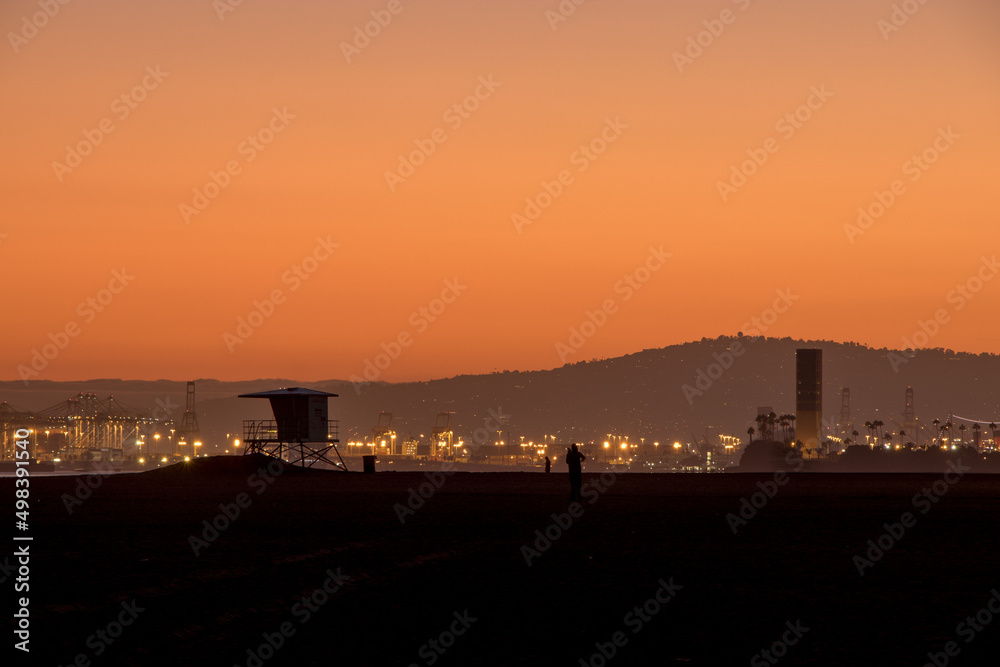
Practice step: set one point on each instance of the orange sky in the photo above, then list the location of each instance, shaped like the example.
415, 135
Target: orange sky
610, 67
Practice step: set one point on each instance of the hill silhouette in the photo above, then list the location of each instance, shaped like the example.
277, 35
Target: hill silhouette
712, 385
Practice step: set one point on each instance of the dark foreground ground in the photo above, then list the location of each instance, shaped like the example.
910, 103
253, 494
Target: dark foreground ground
460, 556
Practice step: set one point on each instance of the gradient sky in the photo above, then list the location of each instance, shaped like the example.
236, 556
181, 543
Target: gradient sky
323, 176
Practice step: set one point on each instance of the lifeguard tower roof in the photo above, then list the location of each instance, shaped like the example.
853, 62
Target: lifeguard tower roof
289, 391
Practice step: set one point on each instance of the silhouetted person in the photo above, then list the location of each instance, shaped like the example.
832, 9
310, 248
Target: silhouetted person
574, 459
548, 464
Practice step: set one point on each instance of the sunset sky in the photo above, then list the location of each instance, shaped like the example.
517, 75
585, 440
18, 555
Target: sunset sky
309, 115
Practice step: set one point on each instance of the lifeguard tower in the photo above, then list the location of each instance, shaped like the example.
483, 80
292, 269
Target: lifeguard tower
301, 431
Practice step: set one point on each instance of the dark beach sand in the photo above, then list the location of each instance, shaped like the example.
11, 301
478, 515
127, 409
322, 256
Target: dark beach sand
462, 551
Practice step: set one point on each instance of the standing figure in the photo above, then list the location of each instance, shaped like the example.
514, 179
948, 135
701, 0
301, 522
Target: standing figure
548, 465
574, 459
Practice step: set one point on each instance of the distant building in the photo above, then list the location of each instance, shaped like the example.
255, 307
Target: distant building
809, 399
844, 422
910, 426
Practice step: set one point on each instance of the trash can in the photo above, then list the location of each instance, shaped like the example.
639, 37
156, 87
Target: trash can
369, 463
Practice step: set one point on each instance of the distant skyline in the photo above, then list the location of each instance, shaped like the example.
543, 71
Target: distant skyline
200, 189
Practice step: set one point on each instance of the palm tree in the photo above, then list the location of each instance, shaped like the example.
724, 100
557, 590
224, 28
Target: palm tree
975, 435
783, 422
772, 420
762, 426
750, 432
902, 434
878, 424
855, 434
791, 420
961, 430
868, 425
